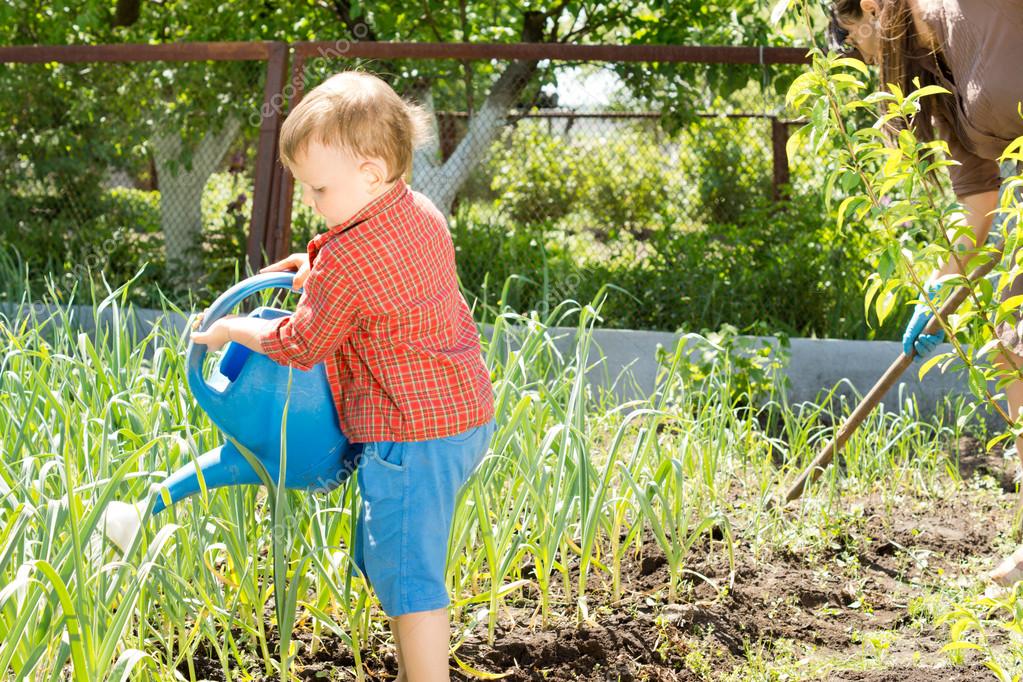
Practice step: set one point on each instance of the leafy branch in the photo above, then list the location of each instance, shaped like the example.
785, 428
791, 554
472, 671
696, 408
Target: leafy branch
890, 185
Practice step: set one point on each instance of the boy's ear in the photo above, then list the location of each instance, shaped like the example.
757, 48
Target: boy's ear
376, 172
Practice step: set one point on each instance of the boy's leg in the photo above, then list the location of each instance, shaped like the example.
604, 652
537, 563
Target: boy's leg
408, 492
425, 638
402, 673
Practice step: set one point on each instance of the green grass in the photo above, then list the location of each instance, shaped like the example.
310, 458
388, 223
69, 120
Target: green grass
576, 484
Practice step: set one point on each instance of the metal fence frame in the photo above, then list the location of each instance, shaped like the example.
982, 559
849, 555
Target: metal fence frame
705, 54
779, 132
275, 54
270, 226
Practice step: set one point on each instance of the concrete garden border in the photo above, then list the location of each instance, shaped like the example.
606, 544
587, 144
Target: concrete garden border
630, 368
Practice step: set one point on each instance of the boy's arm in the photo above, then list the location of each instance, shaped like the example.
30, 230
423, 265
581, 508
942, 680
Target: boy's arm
325, 316
243, 330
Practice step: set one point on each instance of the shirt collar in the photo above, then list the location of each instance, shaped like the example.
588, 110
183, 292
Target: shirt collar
370, 210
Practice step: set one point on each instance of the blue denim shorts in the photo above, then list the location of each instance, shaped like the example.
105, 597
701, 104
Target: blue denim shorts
408, 492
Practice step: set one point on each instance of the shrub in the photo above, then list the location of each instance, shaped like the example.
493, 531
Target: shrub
780, 265
115, 234
628, 185
730, 166
535, 174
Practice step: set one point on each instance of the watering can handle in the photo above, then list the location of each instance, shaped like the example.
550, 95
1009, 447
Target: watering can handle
224, 304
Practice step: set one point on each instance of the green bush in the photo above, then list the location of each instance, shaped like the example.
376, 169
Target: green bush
649, 212
226, 210
603, 182
628, 186
535, 174
489, 252
116, 233
730, 166
113, 235
305, 224
753, 367
779, 267
631, 178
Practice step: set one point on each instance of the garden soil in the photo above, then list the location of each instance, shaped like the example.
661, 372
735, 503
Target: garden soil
845, 610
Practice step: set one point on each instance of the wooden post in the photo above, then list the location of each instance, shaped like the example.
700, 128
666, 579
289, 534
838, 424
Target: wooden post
285, 188
261, 233
779, 138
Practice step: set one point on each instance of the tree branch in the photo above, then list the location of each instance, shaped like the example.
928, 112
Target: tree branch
342, 9
428, 16
554, 13
590, 27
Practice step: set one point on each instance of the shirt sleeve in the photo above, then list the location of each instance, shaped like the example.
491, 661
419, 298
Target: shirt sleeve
325, 315
974, 174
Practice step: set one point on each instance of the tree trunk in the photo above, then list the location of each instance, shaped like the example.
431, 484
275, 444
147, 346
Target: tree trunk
181, 191
441, 181
127, 12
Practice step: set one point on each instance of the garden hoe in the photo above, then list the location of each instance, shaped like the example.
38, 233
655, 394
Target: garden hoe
887, 380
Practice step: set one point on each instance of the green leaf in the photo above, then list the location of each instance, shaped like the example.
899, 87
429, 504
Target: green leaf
868, 298
850, 181
853, 64
927, 91
79, 648
794, 143
477, 673
886, 263
843, 209
126, 664
929, 363
779, 10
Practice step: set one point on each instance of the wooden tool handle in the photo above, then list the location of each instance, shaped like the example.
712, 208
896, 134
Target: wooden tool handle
887, 380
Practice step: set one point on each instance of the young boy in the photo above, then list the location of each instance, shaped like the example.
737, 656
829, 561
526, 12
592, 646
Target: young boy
381, 307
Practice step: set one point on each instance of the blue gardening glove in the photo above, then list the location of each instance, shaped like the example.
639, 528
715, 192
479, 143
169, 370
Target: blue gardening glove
912, 338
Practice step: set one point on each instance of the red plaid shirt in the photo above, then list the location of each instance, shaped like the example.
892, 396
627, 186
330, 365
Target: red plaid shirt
381, 307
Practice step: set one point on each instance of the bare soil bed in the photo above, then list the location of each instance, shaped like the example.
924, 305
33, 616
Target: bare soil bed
846, 612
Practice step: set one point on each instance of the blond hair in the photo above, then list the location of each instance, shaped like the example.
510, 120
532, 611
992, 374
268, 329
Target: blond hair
360, 114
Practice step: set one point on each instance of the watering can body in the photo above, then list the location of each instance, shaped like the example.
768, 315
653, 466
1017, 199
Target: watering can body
246, 396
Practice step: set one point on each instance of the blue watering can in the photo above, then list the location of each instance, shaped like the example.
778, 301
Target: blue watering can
245, 397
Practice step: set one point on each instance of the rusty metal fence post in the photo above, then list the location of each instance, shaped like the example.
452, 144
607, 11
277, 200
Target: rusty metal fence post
263, 235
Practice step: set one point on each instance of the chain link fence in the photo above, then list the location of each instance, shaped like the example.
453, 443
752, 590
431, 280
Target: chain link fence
109, 165
566, 172
569, 183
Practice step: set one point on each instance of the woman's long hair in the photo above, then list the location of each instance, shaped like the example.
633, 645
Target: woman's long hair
903, 58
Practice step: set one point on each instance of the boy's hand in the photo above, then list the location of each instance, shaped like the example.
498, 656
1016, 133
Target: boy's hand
296, 261
217, 336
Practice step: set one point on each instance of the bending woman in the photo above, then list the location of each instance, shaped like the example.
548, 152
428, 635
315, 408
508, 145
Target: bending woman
973, 49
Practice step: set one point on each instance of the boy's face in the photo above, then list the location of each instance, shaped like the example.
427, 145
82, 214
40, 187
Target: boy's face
335, 184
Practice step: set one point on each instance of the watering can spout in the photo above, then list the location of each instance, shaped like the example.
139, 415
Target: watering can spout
221, 466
